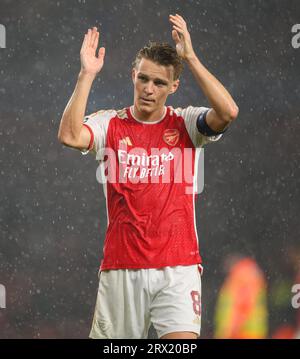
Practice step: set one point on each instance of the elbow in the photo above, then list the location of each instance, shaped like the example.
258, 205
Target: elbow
64, 136
234, 112
61, 138
60, 135
64, 139
231, 114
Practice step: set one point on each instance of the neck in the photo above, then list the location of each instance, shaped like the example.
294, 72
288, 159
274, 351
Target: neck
148, 116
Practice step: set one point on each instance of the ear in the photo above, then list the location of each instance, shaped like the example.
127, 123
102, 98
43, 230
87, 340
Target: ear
133, 74
174, 87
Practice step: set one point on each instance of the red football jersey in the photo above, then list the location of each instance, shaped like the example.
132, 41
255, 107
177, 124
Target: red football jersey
149, 173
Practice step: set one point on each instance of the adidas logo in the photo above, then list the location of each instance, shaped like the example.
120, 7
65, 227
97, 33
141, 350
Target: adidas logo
126, 141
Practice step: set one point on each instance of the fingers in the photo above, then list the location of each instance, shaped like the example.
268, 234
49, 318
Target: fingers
180, 17
88, 38
93, 36
178, 29
177, 18
95, 39
175, 36
83, 46
101, 52
91, 39
178, 22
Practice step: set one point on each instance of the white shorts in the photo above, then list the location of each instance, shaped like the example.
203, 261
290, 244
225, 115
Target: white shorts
129, 300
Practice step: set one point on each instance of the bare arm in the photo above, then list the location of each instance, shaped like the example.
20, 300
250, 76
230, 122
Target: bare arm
224, 109
71, 131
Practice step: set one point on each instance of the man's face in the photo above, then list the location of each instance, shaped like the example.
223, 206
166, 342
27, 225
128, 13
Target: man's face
153, 83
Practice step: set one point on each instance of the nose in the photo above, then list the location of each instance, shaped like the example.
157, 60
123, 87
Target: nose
149, 87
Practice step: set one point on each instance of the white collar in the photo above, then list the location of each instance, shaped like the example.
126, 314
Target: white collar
148, 122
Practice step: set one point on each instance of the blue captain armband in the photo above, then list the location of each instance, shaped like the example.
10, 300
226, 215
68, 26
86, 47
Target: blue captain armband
204, 128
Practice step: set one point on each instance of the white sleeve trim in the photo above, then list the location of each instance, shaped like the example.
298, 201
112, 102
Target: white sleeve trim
190, 116
98, 123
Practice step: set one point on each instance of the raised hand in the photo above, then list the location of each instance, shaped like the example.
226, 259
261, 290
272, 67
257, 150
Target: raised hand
181, 36
90, 63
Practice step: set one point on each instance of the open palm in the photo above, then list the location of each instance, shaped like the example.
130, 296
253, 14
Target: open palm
181, 36
90, 63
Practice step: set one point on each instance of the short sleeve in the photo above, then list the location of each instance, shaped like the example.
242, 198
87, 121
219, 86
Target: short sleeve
97, 123
190, 116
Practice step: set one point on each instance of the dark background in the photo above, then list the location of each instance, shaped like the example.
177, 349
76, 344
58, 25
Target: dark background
52, 213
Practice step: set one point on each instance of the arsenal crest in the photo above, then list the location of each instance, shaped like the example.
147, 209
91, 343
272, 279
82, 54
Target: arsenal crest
171, 136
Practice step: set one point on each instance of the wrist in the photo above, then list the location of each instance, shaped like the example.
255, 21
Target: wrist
84, 75
192, 57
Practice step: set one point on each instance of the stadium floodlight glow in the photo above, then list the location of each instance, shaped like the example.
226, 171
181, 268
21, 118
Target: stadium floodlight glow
2, 297
2, 37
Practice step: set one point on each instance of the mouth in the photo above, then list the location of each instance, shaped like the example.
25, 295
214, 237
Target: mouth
146, 100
